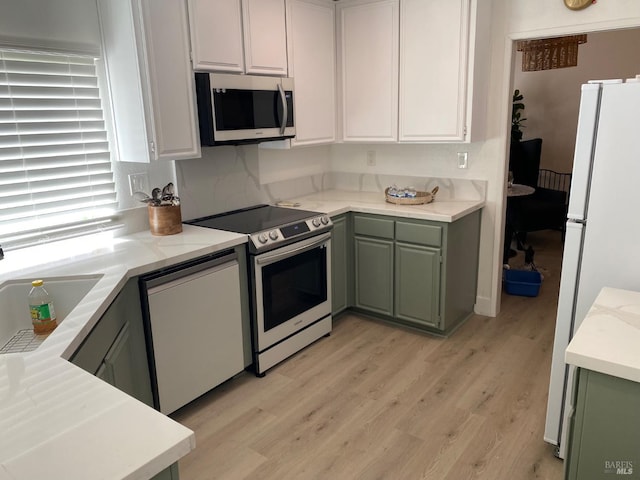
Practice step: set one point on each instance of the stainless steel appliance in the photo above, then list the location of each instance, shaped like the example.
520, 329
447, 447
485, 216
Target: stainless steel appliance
601, 244
290, 276
235, 109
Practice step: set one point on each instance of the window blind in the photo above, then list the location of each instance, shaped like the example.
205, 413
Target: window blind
55, 168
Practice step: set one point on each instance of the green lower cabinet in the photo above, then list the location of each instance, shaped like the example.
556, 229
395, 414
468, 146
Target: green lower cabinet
170, 473
417, 284
374, 275
115, 350
604, 435
418, 273
339, 265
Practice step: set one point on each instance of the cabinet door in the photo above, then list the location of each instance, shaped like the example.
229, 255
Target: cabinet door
434, 39
146, 52
170, 81
417, 284
118, 363
339, 267
265, 37
216, 35
115, 350
374, 275
311, 48
606, 429
368, 39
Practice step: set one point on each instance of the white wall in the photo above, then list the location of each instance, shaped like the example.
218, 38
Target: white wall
552, 97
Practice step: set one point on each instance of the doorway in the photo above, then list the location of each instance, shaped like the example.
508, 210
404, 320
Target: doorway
551, 99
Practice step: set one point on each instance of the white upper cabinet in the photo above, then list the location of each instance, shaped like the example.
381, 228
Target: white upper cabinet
368, 61
265, 37
311, 46
247, 36
437, 75
146, 51
216, 35
413, 70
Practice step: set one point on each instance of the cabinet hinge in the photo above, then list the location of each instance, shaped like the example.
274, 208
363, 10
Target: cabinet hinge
441, 259
464, 132
152, 147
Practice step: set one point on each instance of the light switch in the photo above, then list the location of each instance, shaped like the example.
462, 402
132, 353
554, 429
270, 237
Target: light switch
462, 159
138, 182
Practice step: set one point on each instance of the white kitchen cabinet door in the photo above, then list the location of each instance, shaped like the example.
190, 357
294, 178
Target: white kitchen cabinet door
312, 64
216, 35
368, 39
265, 37
433, 60
146, 44
438, 71
171, 81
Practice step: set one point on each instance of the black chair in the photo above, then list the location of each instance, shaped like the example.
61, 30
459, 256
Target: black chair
546, 208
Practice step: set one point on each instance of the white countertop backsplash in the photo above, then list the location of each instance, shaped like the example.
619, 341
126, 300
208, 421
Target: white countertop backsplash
608, 339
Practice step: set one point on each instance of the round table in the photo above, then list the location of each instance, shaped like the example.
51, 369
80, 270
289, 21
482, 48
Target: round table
518, 190
515, 190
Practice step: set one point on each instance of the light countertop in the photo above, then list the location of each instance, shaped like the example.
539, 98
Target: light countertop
608, 339
58, 421
335, 202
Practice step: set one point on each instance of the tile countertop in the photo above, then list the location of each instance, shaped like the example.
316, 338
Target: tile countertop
58, 421
608, 338
335, 202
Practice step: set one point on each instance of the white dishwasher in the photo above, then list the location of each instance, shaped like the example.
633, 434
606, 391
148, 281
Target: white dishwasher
193, 325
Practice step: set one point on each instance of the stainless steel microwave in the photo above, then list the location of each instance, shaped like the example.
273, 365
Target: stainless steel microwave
235, 109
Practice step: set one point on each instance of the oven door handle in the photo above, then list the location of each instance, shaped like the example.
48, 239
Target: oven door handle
267, 258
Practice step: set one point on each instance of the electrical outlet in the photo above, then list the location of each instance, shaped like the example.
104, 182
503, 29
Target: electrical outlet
371, 158
139, 182
463, 160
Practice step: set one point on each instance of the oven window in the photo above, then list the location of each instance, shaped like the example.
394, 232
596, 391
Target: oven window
294, 285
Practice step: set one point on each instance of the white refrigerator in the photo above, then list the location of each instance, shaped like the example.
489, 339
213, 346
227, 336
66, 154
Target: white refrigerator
602, 244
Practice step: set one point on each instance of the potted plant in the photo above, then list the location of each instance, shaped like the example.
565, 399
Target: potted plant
516, 116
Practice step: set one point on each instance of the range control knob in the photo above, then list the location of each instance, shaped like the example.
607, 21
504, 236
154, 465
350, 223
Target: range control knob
262, 238
325, 220
273, 234
316, 222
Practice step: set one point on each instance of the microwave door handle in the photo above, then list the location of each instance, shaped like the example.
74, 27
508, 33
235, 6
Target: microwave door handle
283, 100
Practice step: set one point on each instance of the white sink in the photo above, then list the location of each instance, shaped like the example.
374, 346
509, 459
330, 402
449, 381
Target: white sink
15, 321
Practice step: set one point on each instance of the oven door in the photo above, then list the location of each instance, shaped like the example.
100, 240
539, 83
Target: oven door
292, 288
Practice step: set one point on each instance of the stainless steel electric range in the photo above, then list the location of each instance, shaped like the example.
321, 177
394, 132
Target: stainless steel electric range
289, 259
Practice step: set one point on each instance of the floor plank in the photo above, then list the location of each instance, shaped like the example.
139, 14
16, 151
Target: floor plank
375, 401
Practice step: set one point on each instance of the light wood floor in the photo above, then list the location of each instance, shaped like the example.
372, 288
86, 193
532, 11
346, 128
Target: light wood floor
374, 401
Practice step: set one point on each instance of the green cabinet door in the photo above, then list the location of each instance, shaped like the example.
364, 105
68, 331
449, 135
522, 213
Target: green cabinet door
115, 350
339, 266
374, 275
604, 436
417, 284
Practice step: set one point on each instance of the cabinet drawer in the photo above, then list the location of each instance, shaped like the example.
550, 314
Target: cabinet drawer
373, 227
419, 233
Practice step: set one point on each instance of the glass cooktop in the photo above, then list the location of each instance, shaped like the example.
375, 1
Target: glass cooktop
253, 219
